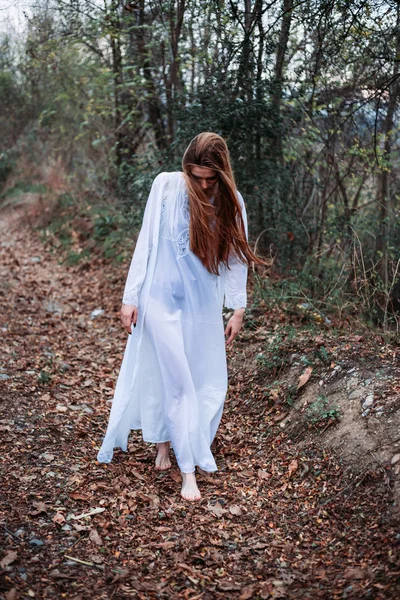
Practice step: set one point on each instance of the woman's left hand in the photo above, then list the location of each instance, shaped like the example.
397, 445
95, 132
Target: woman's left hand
234, 325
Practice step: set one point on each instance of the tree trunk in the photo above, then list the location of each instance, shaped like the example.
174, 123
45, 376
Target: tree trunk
173, 81
152, 98
276, 95
115, 42
382, 196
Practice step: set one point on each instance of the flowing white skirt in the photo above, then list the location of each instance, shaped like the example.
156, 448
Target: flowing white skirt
173, 378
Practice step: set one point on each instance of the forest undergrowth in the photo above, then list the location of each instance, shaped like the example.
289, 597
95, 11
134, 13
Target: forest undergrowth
286, 516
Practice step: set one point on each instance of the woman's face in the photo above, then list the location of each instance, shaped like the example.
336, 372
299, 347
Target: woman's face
205, 177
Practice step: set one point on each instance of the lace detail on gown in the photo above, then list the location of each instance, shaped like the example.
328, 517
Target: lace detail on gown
185, 208
131, 299
163, 216
236, 300
183, 241
163, 213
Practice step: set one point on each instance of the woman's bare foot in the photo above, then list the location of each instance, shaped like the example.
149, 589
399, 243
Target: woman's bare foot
190, 491
162, 459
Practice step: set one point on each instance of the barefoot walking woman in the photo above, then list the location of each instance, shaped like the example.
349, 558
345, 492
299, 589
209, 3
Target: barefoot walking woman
190, 259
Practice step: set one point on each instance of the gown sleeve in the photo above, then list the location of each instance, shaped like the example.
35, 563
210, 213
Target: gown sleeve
236, 274
138, 266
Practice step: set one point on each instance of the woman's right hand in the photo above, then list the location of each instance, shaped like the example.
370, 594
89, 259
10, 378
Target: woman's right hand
129, 315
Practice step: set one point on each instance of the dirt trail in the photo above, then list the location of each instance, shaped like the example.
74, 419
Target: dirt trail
274, 522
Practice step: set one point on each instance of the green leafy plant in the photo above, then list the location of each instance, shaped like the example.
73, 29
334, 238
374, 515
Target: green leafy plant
44, 377
320, 412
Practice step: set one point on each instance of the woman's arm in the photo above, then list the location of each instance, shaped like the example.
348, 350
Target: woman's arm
235, 286
138, 266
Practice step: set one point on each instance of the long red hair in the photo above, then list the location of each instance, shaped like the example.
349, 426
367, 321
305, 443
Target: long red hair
215, 229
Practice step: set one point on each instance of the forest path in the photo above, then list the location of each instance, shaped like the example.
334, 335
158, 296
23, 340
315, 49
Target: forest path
274, 521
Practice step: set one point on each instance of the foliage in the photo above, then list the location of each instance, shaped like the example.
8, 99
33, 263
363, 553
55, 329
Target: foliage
7, 164
320, 411
306, 95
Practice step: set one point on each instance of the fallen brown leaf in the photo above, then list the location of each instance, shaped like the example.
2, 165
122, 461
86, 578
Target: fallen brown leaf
58, 518
40, 508
354, 573
293, 466
235, 510
304, 377
216, 509
95, 538
9, 558
96, 558
247, 592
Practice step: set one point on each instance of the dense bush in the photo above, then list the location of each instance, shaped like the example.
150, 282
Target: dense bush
306, 95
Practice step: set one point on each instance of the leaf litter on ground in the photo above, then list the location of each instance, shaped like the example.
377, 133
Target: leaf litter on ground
276, 520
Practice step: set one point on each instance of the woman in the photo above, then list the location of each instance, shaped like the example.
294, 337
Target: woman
191, 257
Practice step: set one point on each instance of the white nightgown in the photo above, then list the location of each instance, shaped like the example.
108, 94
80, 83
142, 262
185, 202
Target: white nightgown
173, 378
